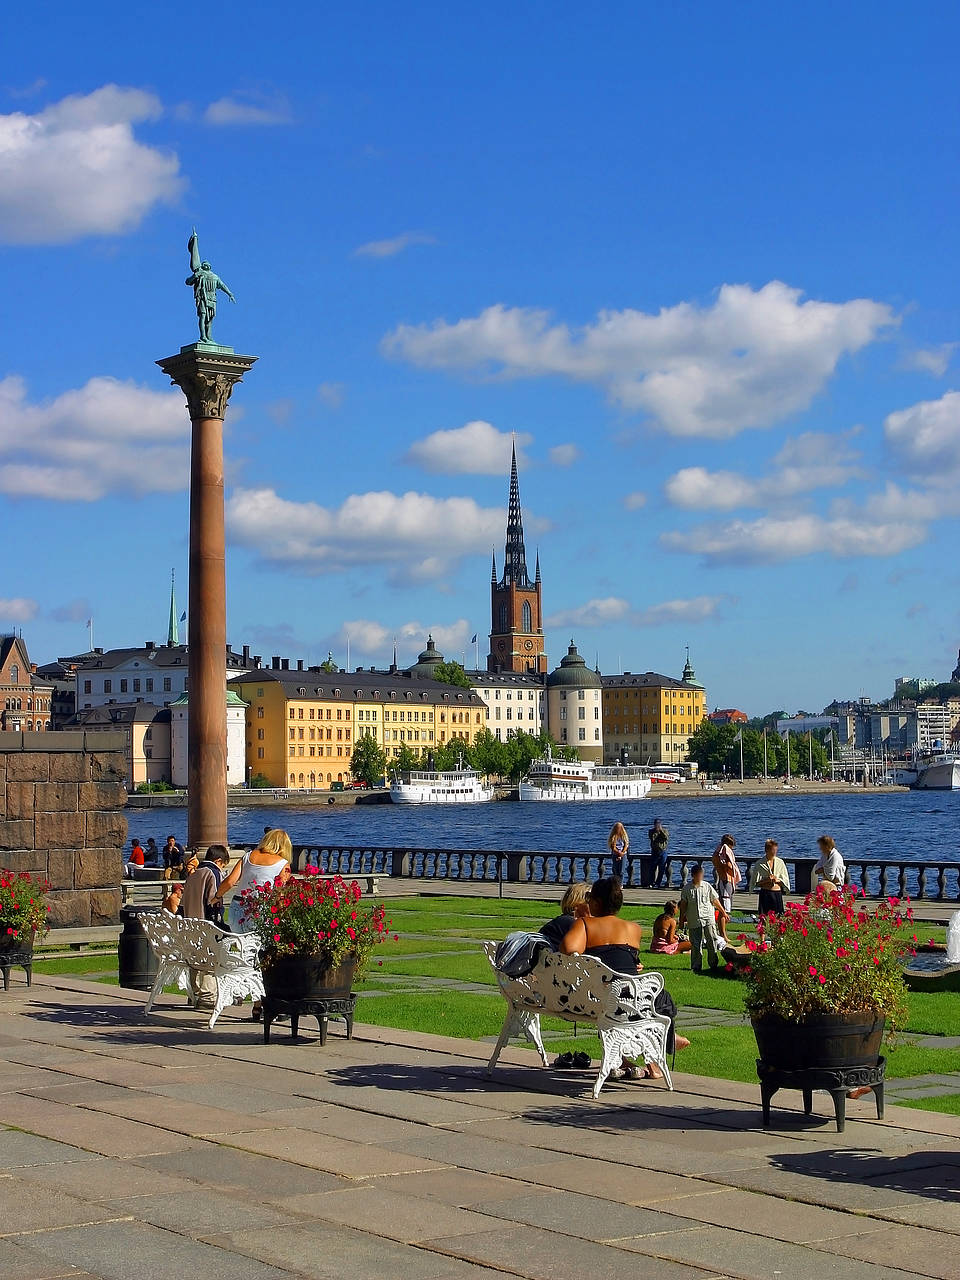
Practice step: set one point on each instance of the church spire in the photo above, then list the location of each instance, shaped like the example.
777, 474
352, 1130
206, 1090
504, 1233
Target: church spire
515, 559
173, 627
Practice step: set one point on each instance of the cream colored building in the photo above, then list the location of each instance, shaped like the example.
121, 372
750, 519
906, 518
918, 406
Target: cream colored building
575, 706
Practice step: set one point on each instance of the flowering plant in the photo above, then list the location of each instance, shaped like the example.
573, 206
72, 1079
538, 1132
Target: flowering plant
23, 907
310, 915
830, 955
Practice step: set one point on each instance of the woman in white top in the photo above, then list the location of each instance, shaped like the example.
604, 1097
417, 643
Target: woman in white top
830, 867
769, 877
270, 861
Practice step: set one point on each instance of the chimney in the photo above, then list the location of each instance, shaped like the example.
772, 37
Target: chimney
149, 644
285, 664
257, 659
246, 655
275, 663
299, 664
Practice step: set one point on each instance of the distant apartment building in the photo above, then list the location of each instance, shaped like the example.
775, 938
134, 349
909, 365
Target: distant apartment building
728, 715
25, 697
146, 729
512, 702
649, 717
153, 674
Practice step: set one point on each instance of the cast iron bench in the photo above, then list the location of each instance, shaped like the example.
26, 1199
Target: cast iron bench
583, 989
182, 945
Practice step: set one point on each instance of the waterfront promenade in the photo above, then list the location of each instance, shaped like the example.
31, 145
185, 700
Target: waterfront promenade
159, 1149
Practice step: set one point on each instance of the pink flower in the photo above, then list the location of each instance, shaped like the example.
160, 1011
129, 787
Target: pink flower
813, 971
276, 937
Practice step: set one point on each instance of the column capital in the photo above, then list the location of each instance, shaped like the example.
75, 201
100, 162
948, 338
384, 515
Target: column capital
206, 374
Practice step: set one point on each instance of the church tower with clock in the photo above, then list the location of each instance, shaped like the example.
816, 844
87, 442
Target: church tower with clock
516, 626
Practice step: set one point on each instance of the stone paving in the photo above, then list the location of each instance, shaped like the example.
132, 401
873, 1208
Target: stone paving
142, 1149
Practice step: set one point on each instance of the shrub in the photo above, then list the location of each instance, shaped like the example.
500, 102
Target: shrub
23, 906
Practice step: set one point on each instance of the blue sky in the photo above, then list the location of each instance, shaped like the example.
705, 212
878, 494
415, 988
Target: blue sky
701, 259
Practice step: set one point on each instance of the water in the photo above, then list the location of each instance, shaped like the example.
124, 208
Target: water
913, 826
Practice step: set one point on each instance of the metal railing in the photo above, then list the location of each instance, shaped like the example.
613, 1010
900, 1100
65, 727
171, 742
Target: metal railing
932, 881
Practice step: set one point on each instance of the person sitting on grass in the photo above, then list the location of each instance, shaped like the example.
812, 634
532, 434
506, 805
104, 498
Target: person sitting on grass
665, 940
616, 943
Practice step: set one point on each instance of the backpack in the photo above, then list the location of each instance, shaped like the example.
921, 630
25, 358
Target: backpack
518, 953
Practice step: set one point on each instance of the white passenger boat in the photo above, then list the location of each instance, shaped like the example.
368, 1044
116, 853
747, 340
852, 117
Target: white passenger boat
939, 772
430, 786
553, 779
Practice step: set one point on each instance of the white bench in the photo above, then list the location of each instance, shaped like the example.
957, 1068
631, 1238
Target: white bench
583, 989
182, 945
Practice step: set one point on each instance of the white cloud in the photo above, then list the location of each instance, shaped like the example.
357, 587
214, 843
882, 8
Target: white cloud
374, 639
477, 449
609, 609
390, 248
749, 359
807, 462
564, 455
414, 535
77, 610
770, 539
332, 393
634, 501
104, 437
75, 169
935, 360
237, 111
926, 437
595, 613
18, 609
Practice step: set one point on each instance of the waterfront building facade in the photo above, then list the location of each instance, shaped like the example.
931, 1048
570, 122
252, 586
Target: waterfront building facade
512, 701
649, 717
236, 740
728, 715
575, 706
154, 674
516, 608
24, 697
146, 731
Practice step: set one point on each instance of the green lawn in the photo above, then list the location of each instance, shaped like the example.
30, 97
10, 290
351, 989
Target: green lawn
440, 937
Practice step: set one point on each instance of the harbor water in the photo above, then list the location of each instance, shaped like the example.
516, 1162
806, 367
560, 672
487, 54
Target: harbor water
915, 825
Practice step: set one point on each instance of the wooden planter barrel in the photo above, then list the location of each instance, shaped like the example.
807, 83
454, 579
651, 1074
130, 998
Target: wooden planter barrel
829, 1041
306, 977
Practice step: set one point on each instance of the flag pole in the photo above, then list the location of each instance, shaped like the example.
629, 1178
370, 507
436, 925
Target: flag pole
741, 755
764, 753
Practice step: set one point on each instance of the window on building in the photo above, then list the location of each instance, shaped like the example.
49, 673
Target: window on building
259, 735
108, 686
293, 734
527, 616
581, 735
581, 713
259, 693
86, 686
292, 751
299, 713
259, 753
596, 715
123, 686
136, 686
563, 713
259, 713
167, 684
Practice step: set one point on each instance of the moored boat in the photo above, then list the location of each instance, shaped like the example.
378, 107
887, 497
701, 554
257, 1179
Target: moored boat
435, 786
939, 772
567, 780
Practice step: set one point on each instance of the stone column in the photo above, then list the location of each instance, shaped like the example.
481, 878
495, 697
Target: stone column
206, 373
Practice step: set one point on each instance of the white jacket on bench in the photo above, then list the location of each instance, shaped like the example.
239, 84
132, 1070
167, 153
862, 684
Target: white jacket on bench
583, 989
182, 945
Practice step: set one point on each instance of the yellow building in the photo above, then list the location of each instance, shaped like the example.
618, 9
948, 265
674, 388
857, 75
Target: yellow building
302, 725
650, 717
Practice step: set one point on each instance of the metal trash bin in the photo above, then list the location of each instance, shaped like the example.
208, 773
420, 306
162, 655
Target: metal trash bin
136, 959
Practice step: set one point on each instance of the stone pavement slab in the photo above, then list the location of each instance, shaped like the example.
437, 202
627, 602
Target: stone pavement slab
18, 1149
587, 1217
198, 1211
20, 1262
332, 1155
917, 1250
21, 1213
393, 1214
225, 1167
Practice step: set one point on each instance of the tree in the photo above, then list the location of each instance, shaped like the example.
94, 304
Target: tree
452, 673
406, 759
259, 782
329, 665
710, 745
490, 756
369, 761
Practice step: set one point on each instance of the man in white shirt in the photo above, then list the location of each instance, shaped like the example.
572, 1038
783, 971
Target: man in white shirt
698, 906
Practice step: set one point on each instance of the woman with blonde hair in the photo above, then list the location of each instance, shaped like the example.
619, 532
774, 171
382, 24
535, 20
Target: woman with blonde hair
618, 842
267, 863
572, 905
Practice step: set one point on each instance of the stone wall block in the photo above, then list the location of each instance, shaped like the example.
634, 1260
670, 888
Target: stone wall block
59, 830
107, 766
60, 865
69, 910
29, 860
105, 831
102, 795
69, 767
28, 767
105, 906
21, 799
57, 797
98, 868
16, 834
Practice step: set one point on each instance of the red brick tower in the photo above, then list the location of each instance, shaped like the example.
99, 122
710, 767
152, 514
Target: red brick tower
516, 626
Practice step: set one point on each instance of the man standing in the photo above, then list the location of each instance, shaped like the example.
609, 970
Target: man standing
698, 907
659, 837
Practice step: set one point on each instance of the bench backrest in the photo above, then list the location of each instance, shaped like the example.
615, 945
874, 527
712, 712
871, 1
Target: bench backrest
579, 988
198, 944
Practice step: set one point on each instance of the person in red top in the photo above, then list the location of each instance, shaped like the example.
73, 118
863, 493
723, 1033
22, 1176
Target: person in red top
136, 853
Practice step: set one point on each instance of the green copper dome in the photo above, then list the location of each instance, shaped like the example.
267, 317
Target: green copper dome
573, 673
